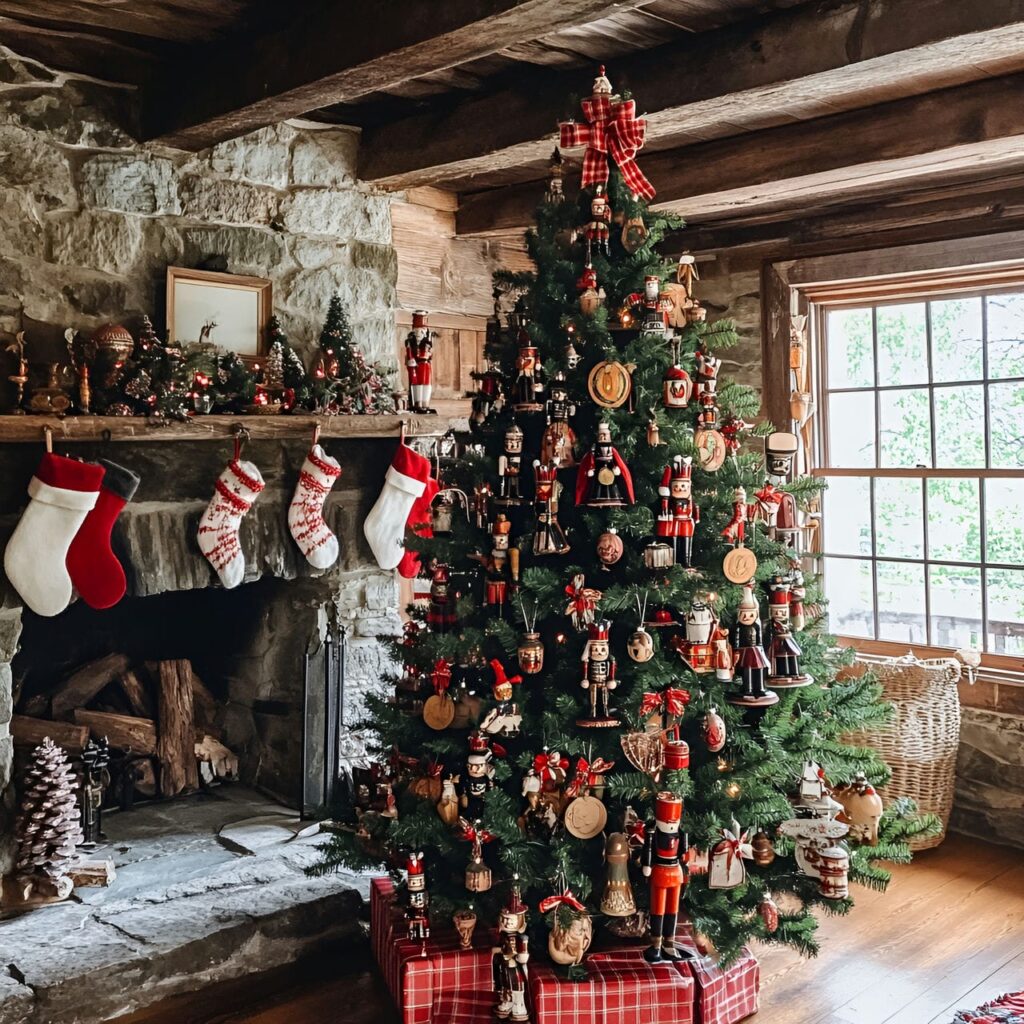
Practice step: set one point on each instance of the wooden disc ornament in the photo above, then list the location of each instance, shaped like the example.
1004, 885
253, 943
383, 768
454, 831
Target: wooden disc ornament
439, 711
610, 384
586, 817
739, 565
711, 449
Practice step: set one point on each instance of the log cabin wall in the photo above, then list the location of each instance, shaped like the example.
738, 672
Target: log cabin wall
451, 278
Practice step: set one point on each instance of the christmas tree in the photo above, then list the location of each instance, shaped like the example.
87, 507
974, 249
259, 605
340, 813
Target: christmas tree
627, 533
48, 828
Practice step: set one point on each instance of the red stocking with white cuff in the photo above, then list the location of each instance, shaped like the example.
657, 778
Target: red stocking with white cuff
404, 482
236, 489
306, 512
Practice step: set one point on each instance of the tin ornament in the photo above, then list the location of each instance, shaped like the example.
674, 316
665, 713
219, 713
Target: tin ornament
640, 645
586, 816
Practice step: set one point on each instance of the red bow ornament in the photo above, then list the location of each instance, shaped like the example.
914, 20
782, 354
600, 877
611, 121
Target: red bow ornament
562, 899
588, 774
612, 129
551, 766
672, 701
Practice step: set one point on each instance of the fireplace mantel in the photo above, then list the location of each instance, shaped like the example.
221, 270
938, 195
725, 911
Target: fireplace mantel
452, 415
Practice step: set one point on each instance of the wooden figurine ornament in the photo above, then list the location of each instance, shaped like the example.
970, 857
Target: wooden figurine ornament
750, 659
549, 537
528, 387
418, 923
862, 809
448, 805
597, 231
478, 777
591, 296
509, 959
603, 479
441, 616
509, 468
678, 514
598, 677
504, 719
559, 439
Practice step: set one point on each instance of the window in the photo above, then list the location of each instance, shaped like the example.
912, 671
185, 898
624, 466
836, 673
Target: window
922, 445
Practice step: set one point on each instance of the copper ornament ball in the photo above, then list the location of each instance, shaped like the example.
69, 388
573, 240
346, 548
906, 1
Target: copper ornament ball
115, 341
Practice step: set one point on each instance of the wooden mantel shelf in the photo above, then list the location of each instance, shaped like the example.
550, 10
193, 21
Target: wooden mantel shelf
452, 415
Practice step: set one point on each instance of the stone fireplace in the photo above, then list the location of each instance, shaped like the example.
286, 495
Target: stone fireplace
251, 646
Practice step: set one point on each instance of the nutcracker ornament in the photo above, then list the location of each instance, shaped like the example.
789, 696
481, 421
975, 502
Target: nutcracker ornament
597, 231
418, 923
95, 779
603, 479
617, 898
419, 352
749, 657
478, 778
500, 566
663, 863
441, 616
528, 387
598, 677
556, 446
571, 928
549, 537
784, 655
509, 467
509, 959
677, 512
504, 719
797, 596
488, 394
582, 606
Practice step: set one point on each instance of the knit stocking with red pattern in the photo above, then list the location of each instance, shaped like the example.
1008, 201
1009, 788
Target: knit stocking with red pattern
306, 512
236, 490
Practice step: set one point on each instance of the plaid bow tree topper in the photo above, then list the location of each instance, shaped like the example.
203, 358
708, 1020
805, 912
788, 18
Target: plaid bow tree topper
612, 129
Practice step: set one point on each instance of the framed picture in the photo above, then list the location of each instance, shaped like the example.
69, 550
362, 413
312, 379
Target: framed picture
228, 310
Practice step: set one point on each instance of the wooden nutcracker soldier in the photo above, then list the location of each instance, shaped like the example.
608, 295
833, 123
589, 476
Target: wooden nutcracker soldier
706, 374
509, 959
549, 537
478, 778
749, 658
416, 888
419, 351
597, 231
707, 411
797, 596
603, 479
509, 467
778, 587
441, 616
598, 676
488, 394
556, 446
528, 386
497, 565
735, 530
678, 514
656, 307
663, 862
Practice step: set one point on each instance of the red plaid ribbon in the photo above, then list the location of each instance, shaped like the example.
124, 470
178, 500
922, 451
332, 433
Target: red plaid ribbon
564, 898
612, 129
588, 774
673, 701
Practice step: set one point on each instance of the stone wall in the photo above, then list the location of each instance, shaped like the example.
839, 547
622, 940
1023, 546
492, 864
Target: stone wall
90, 220
736, 295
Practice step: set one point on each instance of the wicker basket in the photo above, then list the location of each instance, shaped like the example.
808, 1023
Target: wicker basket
920, 744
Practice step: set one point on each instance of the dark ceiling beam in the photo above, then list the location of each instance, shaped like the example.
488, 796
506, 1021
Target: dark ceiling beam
335, 56
792, 65
966, 132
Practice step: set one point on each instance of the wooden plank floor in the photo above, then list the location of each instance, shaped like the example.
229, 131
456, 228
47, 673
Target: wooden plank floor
948, 935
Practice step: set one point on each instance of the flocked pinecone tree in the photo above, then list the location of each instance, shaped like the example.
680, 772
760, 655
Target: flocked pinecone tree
48, 828
576, 512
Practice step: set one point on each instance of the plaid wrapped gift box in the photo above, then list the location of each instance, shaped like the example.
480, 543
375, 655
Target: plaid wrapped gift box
621, 987
722, 996
447, 985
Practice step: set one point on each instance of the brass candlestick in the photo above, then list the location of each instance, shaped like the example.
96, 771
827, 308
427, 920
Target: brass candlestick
20, 379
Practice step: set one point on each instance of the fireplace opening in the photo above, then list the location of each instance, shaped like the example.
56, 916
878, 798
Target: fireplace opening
248, 670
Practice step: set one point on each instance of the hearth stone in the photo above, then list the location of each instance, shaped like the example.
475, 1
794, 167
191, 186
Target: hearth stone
187, 908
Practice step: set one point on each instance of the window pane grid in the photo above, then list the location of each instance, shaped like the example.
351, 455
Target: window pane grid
958, 602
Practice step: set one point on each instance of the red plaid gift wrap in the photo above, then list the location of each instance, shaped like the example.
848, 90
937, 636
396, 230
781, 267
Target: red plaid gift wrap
621, 987
447, 985
1008, 1009
722, 996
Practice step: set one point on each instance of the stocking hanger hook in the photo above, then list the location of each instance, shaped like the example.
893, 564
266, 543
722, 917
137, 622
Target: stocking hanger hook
48, 438
241, 437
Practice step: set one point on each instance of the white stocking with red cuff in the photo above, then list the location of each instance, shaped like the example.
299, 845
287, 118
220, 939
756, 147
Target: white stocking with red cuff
385, 525
306, 512
236, 490
62, 492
